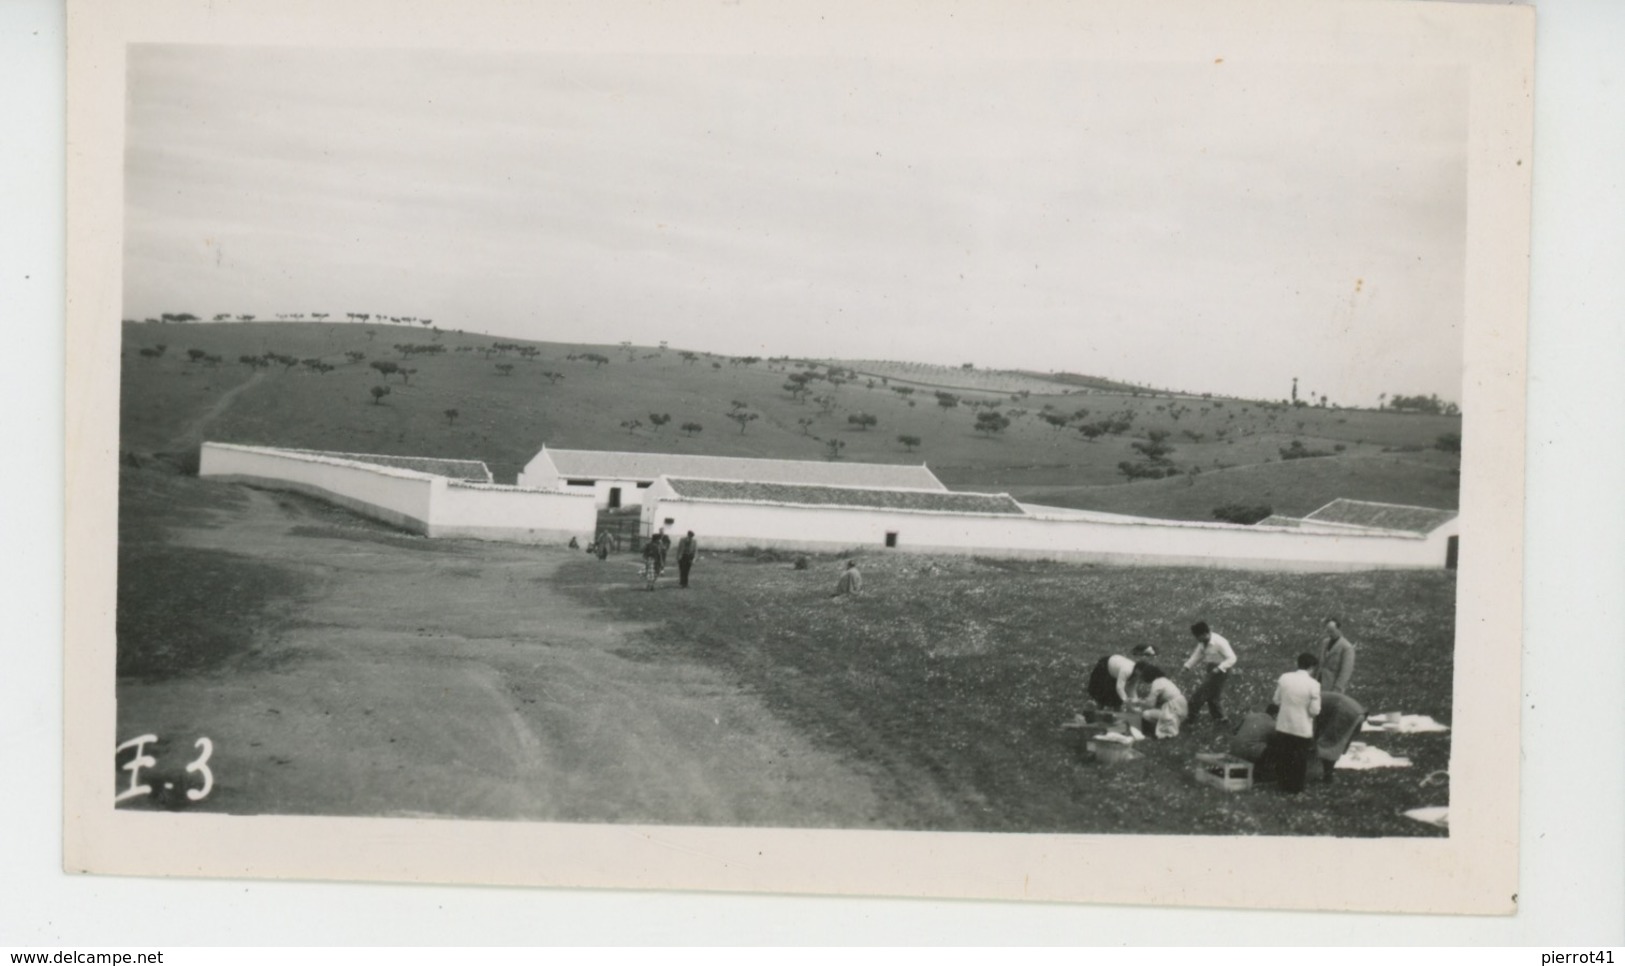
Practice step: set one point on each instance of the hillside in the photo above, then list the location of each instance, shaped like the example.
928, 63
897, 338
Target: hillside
171, 402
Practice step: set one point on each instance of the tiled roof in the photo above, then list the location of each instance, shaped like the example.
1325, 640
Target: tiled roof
598, 464
1382, 516
453, 469
935, 501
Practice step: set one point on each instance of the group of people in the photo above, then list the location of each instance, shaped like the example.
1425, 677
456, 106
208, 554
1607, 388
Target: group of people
655, 550
1309, 722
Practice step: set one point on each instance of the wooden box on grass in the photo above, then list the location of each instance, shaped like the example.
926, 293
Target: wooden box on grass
1226, 772
1110, 752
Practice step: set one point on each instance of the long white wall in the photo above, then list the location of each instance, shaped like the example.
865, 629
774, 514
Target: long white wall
404, 498
419, 502
724, 525
493, 512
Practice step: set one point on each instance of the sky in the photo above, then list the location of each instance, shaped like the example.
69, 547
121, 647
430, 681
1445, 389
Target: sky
1208, 227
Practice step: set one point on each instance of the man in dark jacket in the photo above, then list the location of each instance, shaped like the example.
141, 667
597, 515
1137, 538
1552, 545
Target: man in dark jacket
686, 549
1336, 660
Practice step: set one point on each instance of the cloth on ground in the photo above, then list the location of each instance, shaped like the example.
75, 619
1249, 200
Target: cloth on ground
1403, 724
1433, 815
1361, 756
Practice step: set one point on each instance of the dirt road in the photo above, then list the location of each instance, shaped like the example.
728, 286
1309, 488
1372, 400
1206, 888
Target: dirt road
444, 678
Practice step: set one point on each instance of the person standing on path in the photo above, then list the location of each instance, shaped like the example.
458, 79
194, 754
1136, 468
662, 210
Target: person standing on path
686, 549
1215, 652
665, 546
1298, 694
1336, 659
651, 563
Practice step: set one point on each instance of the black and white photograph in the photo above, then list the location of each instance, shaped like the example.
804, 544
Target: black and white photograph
825, 436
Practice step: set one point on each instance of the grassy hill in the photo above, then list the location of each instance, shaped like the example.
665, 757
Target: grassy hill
170, 402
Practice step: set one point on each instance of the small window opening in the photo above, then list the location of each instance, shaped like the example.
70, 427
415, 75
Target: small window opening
891, 538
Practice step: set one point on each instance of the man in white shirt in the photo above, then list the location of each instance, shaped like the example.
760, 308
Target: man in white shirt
1215, 652
1298, 695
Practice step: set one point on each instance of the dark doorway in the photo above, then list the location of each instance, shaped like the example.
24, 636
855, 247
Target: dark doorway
614, 497
891, 538
1452, 548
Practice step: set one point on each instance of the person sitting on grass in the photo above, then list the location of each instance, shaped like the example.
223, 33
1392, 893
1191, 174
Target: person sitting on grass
1339, 721
1109, 682
1161, 702
850, 582
1252, 740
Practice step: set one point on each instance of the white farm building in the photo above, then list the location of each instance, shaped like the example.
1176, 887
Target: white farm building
822, 506
619, 479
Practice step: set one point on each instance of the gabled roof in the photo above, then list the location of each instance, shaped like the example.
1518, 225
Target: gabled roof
600, 464
792, 494
1382, 516
453, 469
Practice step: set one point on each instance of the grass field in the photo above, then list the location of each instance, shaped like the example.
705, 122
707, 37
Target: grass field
187, 610
170, 403
947, 680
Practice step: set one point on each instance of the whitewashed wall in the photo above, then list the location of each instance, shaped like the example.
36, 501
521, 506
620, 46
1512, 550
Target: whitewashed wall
419, 502
724, 525
491, 512
539, 474
404, 498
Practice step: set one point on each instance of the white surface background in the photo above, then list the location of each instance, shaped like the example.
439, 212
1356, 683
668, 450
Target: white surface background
1573, 867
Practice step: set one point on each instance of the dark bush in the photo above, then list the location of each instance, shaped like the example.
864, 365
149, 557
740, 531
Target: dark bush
1242, 513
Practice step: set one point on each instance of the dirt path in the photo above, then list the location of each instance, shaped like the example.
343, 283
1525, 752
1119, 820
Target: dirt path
445, 678
194, 430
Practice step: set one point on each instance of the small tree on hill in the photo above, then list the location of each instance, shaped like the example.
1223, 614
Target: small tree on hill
692, 428
451, 416
631, 425
658, 420
909, 441
833, 447
505, 368
862, 420
744, 418
195, 355
407, 374
806, 424
378, 394
991, 422
385, 368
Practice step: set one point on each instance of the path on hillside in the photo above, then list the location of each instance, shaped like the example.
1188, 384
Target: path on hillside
193, 433
447, 678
